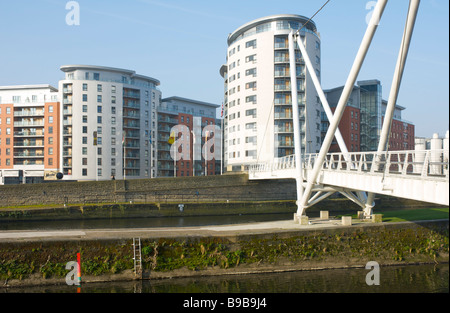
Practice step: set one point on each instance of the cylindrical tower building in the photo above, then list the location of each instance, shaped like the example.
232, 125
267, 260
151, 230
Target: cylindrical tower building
258, 122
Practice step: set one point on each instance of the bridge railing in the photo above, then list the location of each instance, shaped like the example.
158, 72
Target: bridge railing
423, 163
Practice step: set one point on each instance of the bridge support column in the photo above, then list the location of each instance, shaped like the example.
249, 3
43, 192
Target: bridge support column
296, 122
359, 60
396, 82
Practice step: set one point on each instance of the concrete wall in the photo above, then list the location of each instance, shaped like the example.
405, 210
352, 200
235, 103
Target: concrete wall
186, 189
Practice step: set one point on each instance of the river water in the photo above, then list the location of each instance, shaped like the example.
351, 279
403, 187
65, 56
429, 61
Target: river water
393, 279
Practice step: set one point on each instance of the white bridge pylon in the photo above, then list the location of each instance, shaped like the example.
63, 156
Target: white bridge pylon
416, 175
364, 174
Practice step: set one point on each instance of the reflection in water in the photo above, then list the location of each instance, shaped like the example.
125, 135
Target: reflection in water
187, 221
404, 279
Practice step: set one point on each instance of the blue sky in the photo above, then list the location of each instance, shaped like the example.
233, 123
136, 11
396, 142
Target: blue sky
183, 44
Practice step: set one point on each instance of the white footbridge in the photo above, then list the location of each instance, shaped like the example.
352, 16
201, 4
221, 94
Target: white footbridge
418, 175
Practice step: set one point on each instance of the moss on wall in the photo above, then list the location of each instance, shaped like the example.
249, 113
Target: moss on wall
386, 245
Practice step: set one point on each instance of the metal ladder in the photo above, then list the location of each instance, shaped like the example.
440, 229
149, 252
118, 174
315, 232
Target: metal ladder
137, 257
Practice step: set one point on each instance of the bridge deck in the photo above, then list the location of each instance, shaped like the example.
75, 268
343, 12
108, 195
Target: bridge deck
417, 175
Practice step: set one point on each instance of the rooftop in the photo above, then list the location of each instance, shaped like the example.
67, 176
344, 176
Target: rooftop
70, 68
25, 87
279, 17
191, 101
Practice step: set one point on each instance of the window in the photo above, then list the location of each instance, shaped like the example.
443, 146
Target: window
50, 119
99, 98
50, 151
99, 109
113, 99
250, 113
84, 161
99, 88
85, 130
251, 44
96, 76
85, 108
251, 85
86, 75
251, 99
84, 170
250, 153
84, 140
250, 72
84, 150
85, 87
99, 119
113, 89
85, 119
85, 98
250, 126
317, 60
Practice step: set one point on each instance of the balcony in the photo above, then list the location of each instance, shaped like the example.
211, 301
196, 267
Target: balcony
29, 133
130, 94
132, 115
132, 134
167, 120
163, 147
28, 154
131, 125
29, 123
29, 143
29, 113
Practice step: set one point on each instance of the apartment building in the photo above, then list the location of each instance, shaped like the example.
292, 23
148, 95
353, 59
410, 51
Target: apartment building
193, 124
107, 122
363, 118
29, 134
258, 123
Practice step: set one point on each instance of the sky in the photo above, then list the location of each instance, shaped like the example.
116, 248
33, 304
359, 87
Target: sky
183, 43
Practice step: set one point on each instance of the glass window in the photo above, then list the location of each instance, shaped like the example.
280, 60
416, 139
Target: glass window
251, 43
